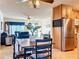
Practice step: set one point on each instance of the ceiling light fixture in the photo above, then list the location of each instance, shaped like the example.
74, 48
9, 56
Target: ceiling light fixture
36, 3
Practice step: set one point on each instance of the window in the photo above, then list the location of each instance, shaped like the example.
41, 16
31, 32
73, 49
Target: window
14, 28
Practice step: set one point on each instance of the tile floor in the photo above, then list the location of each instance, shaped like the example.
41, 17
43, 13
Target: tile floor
6, 53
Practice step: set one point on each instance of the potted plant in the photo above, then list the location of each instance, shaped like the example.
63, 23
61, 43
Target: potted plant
32, 28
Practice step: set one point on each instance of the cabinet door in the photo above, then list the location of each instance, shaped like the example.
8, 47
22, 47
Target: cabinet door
57, 37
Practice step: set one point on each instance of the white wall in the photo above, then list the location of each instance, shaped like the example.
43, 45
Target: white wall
1, 25
1, 21
1, 16
14, 19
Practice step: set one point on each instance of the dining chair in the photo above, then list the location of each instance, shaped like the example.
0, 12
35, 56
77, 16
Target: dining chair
24, 53
43, 49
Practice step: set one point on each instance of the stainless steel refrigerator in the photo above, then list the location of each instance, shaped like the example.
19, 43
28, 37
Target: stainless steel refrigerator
68, 35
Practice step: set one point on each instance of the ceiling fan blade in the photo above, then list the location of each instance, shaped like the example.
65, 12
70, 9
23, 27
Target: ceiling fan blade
22, 0
48, 1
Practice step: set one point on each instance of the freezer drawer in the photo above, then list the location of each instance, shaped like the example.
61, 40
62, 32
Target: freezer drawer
69, 43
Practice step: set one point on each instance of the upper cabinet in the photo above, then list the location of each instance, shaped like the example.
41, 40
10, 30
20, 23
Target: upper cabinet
64, 11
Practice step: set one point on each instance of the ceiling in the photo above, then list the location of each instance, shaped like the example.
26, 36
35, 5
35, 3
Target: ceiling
73, 3
10, 8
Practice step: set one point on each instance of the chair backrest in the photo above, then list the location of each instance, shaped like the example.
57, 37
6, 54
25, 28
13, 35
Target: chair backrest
46, 36
22, 35
4, 34
19, 38
14, 41
44, 46
16, 47
28, 49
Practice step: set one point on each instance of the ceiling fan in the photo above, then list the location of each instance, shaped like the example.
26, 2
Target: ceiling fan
35, 2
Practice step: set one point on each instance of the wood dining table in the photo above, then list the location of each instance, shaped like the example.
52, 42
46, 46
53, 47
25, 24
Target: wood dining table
32, 44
